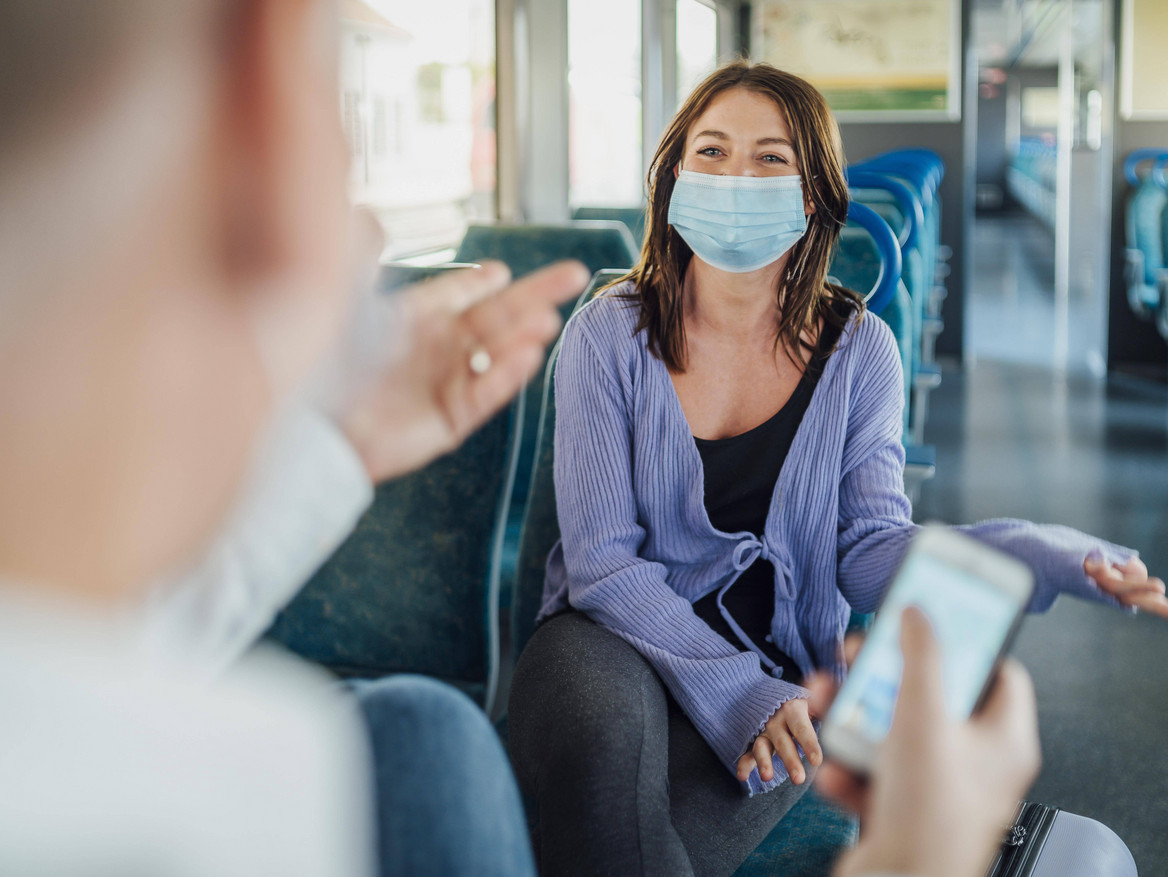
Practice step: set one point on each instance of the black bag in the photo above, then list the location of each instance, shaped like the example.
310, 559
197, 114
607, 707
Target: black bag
1048, 842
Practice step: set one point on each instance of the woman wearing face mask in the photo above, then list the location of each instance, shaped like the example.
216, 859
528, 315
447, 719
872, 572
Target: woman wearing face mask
729, 481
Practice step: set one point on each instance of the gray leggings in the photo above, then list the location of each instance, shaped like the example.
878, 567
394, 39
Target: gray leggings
619, 780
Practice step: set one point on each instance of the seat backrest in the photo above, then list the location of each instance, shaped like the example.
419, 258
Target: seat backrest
415, 588
541, 524
632, 217
1144, 217
394, 275
1144, 221
857, 265
598, 244
888, 261
525, 248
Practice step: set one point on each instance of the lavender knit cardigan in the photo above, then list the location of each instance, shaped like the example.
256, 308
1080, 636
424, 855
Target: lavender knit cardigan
638, 549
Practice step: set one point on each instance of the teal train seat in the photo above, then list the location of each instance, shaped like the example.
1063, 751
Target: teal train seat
598, 244
395, 275
415, 588
814, 833
524, 248
540, 528
1146, 236
632, 217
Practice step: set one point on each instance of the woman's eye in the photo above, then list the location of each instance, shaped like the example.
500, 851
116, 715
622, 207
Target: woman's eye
710, 151
771, 158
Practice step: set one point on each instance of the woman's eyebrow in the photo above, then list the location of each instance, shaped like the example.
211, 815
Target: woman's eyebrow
762, 141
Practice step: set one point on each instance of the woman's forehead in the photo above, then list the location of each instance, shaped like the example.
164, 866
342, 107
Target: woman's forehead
741, 113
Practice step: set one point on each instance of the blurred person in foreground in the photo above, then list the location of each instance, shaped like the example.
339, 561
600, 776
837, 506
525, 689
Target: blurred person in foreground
176, 258
942, 792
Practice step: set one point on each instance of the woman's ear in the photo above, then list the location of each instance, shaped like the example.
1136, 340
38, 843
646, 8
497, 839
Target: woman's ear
676, 170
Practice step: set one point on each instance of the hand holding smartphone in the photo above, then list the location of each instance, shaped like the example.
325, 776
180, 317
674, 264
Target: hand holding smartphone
972, 595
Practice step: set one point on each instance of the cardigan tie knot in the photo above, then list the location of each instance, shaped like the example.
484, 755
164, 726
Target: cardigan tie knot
748, 551
753, 549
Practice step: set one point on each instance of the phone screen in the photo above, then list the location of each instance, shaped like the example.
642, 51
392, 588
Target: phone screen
971, 618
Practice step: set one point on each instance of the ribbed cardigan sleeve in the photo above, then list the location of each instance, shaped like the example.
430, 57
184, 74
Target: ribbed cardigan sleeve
875, 517
722, 690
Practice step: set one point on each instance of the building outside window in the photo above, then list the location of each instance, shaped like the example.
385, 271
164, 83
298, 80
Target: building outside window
697, 44
418, 106
604, 82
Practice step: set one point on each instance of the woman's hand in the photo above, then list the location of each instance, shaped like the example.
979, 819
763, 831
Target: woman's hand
1130, 584
790, 724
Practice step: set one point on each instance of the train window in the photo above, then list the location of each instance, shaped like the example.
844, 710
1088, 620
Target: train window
604, 81
697, 44
418, 105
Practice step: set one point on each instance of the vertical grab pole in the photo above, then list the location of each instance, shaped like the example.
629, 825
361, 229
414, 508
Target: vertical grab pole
1062, 223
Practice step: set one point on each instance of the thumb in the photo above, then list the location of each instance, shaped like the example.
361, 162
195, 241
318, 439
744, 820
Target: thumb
921, 698
1009, 720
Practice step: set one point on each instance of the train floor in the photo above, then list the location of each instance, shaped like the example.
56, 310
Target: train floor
1018, 440
1011, 314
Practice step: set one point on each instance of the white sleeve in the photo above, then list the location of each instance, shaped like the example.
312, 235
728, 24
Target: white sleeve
306, 492
115, 768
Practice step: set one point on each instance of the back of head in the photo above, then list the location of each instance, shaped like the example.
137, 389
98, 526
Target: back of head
172, 252
55, 54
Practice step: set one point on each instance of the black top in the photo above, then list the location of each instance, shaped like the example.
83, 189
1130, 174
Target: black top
740, 475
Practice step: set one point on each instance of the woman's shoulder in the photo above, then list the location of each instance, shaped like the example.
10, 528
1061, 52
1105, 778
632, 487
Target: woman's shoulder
867, 338
609, 320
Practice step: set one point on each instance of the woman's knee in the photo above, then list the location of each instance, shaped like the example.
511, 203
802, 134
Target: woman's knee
582, 693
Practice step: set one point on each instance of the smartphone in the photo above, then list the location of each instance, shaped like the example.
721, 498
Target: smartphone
973, 595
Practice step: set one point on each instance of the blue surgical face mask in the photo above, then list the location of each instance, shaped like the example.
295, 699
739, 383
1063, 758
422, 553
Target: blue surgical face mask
738, 224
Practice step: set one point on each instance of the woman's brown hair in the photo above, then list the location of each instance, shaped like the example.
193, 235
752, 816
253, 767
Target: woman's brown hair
805, 297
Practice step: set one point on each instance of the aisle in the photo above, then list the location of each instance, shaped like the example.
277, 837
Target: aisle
1010, 314
1016, 440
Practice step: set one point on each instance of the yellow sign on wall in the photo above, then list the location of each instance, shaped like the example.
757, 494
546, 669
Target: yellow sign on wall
878, 58
1145, 63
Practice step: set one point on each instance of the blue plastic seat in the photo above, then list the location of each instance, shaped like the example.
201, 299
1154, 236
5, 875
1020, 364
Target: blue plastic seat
1031, 178
1146, 234
874, 188
923, 171
869, 258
